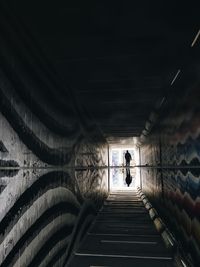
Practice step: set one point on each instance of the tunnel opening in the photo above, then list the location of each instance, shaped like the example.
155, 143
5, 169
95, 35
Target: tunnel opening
122, 177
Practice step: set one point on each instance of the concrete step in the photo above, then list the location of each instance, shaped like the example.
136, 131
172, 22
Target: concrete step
113, 229
135, 238
123, 246
126, 216
130, 220
122, 235
99, 260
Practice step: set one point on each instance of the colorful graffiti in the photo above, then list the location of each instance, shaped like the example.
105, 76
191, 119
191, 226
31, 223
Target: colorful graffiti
171, 172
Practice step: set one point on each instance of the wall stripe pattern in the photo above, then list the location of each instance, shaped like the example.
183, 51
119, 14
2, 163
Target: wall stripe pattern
44, 210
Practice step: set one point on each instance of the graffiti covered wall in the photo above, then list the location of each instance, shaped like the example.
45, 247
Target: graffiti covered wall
171, 177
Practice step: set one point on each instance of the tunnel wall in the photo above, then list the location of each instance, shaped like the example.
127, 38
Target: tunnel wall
37, 214
40, 202
175, 188
92, 181
43, 133
91, 154
91, 173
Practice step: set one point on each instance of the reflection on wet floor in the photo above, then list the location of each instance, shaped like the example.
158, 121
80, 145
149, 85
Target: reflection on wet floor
124, 178
99, 178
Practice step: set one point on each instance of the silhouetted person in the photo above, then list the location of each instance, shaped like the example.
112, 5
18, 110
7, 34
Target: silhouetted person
128, 158
128, 177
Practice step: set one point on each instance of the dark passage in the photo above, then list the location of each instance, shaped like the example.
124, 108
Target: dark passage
82, 82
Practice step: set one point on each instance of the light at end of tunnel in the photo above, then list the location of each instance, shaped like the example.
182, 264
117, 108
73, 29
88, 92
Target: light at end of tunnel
122, 176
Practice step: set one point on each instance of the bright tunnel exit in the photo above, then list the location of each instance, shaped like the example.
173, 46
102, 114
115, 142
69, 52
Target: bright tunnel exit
119, 173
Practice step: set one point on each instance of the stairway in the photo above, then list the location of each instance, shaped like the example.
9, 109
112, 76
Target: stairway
122, 235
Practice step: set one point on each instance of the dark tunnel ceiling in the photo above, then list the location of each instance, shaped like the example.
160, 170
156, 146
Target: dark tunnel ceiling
120, 56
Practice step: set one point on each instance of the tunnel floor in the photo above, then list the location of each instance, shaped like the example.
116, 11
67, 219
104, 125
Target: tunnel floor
122, 235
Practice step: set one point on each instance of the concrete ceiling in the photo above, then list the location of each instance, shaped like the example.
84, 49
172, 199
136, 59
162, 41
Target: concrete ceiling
119, 56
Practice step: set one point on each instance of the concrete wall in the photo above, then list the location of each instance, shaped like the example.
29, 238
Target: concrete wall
91, 154
36, 209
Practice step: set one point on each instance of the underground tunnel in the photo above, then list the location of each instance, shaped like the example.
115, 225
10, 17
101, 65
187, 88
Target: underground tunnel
99, 133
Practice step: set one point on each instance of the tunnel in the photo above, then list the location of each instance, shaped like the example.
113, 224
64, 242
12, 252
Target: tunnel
99, 133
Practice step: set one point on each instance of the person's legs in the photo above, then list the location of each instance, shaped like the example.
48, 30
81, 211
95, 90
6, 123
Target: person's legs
127, 163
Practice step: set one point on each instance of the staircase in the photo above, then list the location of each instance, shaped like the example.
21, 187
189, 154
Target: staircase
122, 235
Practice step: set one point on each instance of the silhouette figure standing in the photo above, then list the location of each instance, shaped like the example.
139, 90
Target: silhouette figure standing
128, 177
128, 158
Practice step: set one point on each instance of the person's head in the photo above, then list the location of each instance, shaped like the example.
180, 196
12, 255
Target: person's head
126, 151
128, 180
